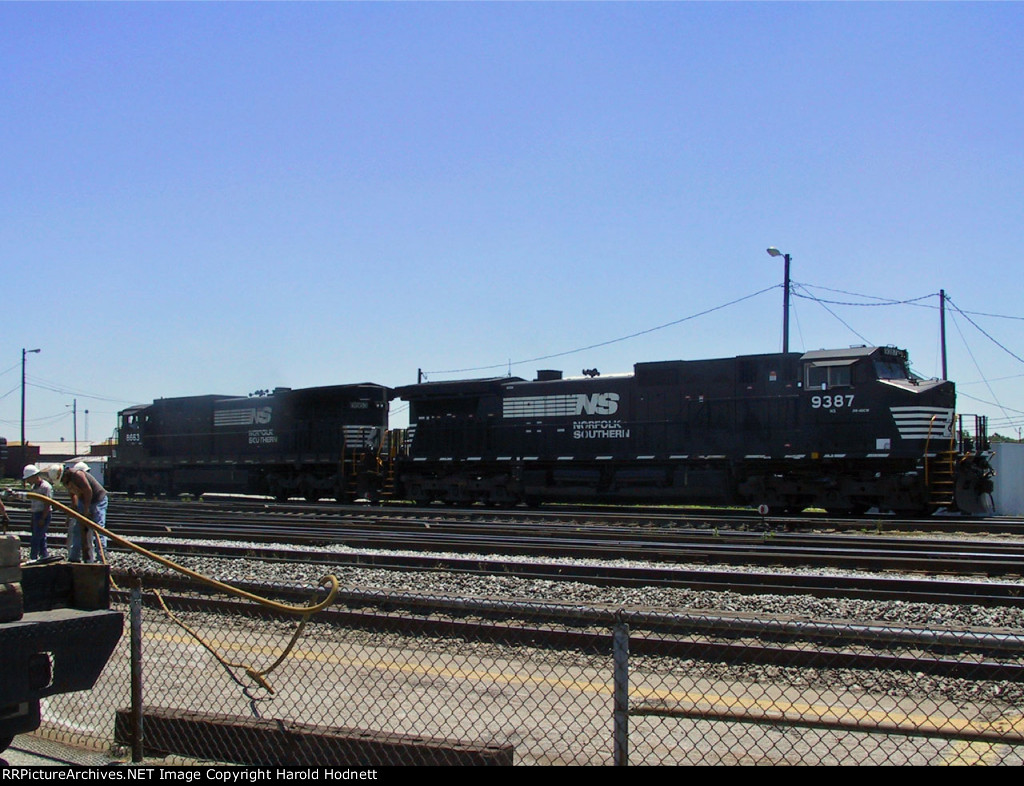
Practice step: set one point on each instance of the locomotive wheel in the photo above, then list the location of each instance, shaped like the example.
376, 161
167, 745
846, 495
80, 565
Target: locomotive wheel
5, 741
277, 489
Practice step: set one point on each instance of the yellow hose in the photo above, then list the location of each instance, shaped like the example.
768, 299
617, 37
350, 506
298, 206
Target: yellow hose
329, 582
260, 677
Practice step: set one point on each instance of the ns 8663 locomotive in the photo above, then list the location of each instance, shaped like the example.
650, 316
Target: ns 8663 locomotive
312, 442
845, 430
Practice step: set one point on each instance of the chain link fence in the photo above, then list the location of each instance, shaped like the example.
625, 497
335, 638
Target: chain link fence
381, 679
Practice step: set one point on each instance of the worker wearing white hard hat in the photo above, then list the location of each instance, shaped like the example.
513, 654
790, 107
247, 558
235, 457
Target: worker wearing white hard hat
41, 511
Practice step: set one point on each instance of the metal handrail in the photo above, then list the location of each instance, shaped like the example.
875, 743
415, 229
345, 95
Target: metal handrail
927, 445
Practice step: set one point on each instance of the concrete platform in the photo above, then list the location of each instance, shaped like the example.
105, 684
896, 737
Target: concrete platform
27, 750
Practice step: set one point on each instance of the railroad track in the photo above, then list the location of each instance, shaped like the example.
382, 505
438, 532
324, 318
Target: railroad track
375, 531
698, 518
604, 542
733, 518
861, 586
709, 636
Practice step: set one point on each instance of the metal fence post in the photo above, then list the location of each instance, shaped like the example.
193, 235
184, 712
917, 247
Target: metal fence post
135, 612
620, 657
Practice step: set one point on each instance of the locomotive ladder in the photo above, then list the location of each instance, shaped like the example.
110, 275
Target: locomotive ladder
385, 463
393, 447
387, 484
940, 472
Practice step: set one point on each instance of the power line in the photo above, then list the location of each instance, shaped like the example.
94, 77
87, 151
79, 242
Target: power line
510, 363
606, 343
822, 303
920, 302
882, 301
977, 366
980, 330
57, 387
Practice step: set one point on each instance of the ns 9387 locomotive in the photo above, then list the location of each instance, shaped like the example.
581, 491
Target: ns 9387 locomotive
845, 430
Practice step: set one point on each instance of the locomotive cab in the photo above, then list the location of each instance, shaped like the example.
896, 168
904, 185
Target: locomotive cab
846, 368
865, 407
866, 399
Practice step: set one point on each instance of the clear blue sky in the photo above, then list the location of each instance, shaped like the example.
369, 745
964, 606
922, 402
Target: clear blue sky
222, 197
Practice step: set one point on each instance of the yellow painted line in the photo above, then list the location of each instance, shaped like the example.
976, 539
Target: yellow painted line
222, 646
826, 713
665, 699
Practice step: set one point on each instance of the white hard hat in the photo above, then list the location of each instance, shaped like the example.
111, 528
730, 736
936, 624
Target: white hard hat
29, 471
82, 466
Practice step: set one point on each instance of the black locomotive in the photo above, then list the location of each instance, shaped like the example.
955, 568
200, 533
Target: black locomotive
845, 430
312, 442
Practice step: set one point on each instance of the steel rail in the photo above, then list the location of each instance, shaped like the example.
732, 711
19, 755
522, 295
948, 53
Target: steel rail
581, 540
686, 516
755, 554
845, 552
554, 627
865, 587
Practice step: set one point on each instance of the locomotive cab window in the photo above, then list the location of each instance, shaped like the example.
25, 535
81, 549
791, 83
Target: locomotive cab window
827, 375
891, 369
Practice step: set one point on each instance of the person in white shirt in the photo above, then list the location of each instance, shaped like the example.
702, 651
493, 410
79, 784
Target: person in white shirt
41, 512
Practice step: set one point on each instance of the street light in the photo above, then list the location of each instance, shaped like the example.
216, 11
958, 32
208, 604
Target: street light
773, 251
24, 352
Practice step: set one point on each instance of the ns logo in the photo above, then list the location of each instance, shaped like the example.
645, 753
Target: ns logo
597, 404
261, 416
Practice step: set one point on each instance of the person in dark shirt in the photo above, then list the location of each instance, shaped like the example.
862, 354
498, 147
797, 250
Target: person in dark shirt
89, 498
